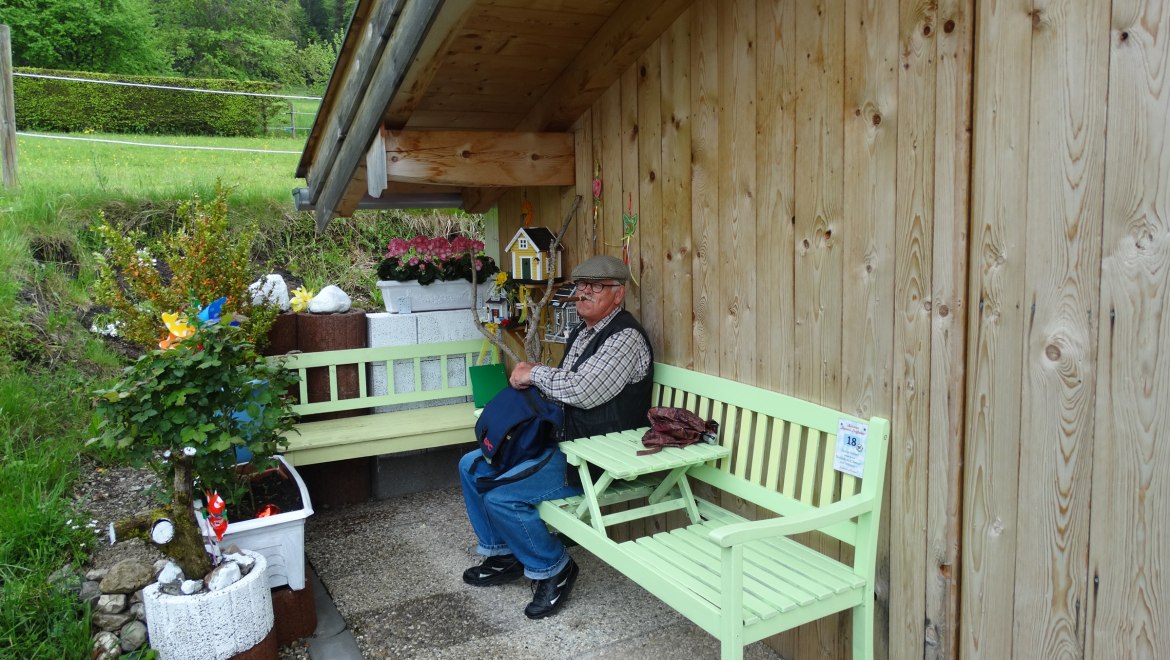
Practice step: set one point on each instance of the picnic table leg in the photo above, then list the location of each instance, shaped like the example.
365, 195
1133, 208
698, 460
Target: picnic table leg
591, 494
667, 483
689, 499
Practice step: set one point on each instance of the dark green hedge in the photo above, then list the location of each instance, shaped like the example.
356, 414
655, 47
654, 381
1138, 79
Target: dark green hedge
44, 104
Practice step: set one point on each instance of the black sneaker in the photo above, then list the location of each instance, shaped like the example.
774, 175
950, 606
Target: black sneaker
494, 570
550, 594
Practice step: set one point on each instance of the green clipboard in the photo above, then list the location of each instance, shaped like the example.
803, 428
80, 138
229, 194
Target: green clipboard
486, 381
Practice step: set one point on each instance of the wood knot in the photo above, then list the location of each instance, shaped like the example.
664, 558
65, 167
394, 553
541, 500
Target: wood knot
926, 30
949, 26
1052, 351
652, 175
466, 153
877, 119
943, 310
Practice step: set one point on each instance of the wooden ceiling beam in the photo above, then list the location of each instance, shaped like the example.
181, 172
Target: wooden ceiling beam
627, 33
479, 158
431, 55
340, 180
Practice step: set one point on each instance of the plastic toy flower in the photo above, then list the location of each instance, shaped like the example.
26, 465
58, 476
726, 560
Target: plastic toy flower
300, 299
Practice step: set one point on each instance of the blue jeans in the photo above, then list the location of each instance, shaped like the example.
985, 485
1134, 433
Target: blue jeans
505, 518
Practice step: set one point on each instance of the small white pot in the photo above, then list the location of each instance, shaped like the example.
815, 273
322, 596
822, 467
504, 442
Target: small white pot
407, 297
280, 538
210, 626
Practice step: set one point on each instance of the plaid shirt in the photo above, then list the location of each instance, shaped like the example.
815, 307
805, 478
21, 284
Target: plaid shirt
624, 358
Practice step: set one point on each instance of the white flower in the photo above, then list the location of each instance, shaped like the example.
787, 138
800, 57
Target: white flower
188, 451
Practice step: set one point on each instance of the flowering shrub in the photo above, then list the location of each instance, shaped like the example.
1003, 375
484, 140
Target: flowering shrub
200, 259
429, 259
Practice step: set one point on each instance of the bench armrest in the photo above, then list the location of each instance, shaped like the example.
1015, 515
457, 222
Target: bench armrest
754, 530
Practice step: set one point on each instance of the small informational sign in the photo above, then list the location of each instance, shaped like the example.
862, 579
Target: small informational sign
850, 455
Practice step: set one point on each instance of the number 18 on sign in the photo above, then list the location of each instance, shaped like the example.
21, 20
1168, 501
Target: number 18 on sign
850, 455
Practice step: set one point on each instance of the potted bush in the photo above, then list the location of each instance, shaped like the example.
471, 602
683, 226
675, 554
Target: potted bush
431, 273
189, 411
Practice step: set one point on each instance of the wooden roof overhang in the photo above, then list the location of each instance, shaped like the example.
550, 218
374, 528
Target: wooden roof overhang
450, 103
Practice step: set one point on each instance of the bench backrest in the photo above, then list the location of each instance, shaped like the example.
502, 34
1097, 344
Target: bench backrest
451, 362
782, 448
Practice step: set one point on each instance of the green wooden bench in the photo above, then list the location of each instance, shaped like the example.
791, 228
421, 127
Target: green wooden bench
740, 579
374, 434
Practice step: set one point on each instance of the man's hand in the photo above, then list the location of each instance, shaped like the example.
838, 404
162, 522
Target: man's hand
521, 375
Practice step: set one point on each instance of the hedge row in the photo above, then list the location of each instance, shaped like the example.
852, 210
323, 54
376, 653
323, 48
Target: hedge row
44, 104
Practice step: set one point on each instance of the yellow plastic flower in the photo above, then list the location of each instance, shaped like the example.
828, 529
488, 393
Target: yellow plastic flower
300, 299
177, 325
501, 278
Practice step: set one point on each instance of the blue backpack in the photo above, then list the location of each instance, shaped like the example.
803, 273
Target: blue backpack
516, 432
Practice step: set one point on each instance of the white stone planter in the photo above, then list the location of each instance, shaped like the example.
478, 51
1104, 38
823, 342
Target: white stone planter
210, 626
280, 538
405, 297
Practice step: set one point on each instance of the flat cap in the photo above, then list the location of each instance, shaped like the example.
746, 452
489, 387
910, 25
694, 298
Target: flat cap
602, 267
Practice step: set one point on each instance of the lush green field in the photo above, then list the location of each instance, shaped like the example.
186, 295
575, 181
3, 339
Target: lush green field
50, 362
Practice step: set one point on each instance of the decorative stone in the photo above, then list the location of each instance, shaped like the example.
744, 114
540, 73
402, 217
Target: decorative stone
111, 604
272, 289
138, 611
223, 576
171, 573
243, 561
191, 587
136, 597
331, 300
96, 574
127, 576
111, 621
133, 635
159, 565
90, 592
105, 642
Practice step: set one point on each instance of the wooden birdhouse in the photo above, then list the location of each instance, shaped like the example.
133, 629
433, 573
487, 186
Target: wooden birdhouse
531, 250
564, 315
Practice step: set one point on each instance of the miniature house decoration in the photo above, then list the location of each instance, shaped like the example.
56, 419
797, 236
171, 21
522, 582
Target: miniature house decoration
496, 307
530, 250
564, 315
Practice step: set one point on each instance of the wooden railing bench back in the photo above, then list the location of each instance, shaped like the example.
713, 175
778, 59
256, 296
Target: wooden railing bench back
449, 423
741, 580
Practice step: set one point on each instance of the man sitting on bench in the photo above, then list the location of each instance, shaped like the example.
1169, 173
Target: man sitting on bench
604, 383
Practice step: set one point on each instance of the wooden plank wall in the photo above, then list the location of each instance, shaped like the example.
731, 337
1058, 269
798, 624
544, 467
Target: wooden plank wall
782, 158
823, 186
1065, 518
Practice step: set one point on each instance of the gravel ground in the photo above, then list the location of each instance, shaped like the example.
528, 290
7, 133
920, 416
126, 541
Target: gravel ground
110, 493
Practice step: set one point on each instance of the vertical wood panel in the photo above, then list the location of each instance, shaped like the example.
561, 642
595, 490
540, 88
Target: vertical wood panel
577, 237
677, 283
776, 189
1065, 177
914, 253
1129, 616
612, 148
736, 220
999, 203
630, 187
705, 210
820, 38
819, 151
650, 221
871, 150
948, 325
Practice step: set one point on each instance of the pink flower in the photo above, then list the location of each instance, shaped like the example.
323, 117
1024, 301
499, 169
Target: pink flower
597, 188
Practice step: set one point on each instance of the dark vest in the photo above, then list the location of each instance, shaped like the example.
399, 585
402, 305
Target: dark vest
628, 409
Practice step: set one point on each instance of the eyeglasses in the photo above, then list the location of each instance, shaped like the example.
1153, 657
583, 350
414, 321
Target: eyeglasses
595, 287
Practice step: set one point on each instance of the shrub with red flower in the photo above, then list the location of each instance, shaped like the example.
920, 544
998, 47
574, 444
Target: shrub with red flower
428, 259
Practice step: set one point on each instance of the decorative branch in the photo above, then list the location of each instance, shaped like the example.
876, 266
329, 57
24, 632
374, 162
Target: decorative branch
532, 348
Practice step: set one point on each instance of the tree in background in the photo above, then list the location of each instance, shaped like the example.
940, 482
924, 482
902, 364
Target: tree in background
106, 36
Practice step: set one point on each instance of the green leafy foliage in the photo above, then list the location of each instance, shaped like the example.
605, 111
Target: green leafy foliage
111, 36
210, 394
45, 104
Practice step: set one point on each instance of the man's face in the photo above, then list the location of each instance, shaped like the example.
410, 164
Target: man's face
597, 298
